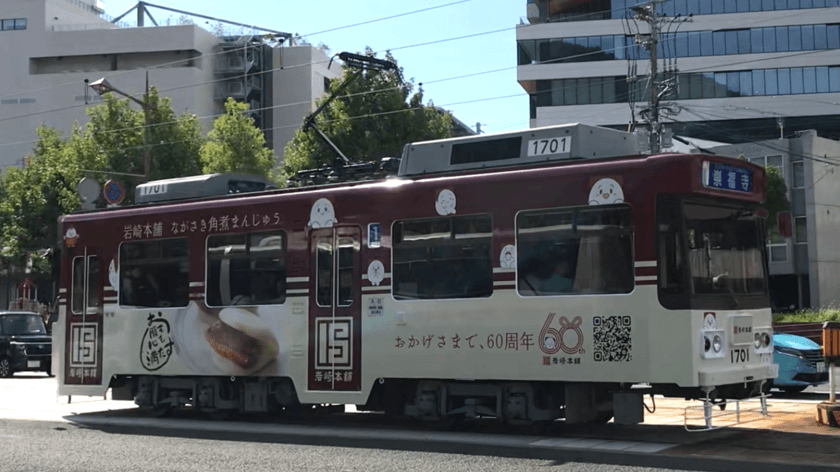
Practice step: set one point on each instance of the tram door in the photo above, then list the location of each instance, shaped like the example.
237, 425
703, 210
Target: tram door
83, 355
335, 335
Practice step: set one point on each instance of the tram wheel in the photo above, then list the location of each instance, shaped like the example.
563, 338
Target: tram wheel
6, 367
161, 410
220, 414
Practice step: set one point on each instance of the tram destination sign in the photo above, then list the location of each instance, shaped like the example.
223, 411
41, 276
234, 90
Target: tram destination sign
727, 177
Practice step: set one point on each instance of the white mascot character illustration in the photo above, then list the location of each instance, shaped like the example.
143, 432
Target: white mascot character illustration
322, 214
376, 272
606, 191
114, 275
507, 259
445, 204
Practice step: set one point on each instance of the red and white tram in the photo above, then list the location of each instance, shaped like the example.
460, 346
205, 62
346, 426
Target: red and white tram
529, 276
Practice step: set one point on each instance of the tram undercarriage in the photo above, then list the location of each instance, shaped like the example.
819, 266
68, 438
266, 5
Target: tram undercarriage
433, 401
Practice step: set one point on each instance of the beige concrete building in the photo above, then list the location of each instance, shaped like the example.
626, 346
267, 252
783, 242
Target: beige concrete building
49, 48
804, 268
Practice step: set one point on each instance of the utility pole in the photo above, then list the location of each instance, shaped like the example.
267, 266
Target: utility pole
647, 12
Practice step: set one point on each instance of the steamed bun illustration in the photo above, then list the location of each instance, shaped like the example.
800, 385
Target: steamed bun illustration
445, 204
376, 272
606, 191
322, 214
114, 276
507, 259
241, 342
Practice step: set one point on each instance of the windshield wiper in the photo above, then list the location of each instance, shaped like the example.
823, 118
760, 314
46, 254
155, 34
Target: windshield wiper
716, 282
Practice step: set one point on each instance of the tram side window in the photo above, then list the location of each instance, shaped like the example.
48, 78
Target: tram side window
246, 269
155, 273
82, 277
443, 258
569, 251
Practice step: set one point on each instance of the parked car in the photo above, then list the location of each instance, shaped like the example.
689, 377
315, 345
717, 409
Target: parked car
25, 344
801, 363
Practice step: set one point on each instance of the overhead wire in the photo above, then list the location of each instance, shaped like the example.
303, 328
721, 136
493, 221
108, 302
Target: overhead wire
282, 67
745, 139
181, 61
630, 89
204, 117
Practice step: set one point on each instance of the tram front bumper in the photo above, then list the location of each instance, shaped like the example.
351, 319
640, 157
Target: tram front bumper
738, 374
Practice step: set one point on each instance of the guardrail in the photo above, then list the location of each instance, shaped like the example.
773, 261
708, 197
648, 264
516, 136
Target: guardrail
812, 331
714, 415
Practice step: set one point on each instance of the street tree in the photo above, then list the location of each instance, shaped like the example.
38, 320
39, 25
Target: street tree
373, 117
235, 144
118, 131
111, 143
777, 201
37, 194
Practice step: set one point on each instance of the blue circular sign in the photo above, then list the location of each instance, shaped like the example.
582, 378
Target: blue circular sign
113, 192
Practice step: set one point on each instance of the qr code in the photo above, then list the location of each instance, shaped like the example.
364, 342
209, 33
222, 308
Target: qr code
612, 341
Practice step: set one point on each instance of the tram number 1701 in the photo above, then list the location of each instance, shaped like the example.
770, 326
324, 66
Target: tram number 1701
544, 147
740, 354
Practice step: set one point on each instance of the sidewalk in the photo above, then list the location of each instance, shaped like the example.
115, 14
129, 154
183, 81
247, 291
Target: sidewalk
790, 439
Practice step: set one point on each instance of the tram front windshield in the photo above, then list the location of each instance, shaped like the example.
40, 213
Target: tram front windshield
711, 255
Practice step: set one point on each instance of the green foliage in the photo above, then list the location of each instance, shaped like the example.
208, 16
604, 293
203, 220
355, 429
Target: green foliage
37, 195
235, 144
374, 117
114, 140
118, 132
808, 316
175, 141
777, 200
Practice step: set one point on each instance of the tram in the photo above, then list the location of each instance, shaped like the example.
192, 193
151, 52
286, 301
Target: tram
527, 276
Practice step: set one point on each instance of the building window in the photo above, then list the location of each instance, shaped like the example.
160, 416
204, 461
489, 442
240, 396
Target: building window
777, 246
443, 258
801, 230
568, 251
246, 269
13, 24
759, 82
800, 227
155, 273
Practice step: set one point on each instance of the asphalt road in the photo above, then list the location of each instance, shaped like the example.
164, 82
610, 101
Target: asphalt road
49, 446
41, 432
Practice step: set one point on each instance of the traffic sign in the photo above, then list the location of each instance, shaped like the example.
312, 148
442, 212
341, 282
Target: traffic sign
113, 192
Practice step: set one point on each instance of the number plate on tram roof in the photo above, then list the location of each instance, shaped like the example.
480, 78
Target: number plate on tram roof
727, 177
549, 146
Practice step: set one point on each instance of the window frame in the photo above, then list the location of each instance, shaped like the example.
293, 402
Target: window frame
251, 261
574, 210
491, 260
122, 267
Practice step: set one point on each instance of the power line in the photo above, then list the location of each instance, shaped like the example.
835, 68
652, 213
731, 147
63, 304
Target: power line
386, 18
181, 61
768, 144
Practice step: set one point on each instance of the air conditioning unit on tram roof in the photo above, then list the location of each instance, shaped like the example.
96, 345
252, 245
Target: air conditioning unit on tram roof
199, 186
517, 148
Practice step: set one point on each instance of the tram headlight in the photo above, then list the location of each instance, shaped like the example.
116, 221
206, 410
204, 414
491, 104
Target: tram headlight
764, 340
711, 344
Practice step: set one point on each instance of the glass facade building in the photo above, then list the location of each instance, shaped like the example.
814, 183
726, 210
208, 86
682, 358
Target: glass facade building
747, 72
736, 70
